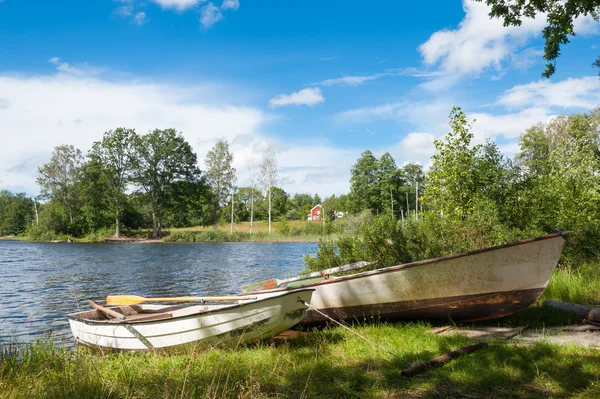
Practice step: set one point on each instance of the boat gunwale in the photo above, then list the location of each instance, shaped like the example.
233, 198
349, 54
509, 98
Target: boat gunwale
403, 266
117, 322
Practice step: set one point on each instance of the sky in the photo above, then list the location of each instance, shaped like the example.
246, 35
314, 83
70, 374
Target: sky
321, 81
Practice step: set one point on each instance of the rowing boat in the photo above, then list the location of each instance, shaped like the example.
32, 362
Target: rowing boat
482, 284
149, 327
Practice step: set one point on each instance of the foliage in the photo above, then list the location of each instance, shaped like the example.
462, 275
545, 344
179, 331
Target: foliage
16, 213
114, 158
59, 178
376, 184
220, 174
560, 16
268, 177
164, 157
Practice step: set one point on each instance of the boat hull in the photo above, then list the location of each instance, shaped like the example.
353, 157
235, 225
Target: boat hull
482, 284
242, 323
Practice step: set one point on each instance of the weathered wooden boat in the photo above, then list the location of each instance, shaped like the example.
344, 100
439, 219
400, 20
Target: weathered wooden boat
482, 284
152, 327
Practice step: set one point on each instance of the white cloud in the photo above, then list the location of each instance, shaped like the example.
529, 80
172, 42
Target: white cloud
178, 5
509, 126
586, 26
140, 18
230, 5
415, 147
309, 96
210, 15
350, 80
124, 11
64, 67
41, 112
478, 43
570, 93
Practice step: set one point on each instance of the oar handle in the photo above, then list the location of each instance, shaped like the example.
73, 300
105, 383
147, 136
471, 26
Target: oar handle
107, 311
199, 298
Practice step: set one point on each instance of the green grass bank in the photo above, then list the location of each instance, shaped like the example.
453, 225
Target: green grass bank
330, 363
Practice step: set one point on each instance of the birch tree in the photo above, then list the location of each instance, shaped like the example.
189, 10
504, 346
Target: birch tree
58, 178
268, 176
220, 174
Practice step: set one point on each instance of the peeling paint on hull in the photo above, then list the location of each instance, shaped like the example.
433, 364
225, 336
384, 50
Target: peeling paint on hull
487, 283
462, 308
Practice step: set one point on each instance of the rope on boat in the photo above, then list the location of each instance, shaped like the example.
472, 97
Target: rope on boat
357, 334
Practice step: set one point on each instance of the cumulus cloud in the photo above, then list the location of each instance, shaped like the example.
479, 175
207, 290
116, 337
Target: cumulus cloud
46, 111
140, 18
479, 42
65, 67
230, 5
178, 5
570, 93
210, 15
310, 96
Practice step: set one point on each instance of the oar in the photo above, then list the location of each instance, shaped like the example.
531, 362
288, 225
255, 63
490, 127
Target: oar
134, 299
275, 282
107, 311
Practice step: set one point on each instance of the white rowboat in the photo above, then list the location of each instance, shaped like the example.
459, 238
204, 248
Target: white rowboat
149, 327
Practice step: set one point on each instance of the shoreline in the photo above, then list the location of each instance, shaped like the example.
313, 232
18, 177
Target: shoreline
114, 240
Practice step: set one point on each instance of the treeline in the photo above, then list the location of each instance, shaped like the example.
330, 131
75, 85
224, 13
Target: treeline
474, 196
129, 181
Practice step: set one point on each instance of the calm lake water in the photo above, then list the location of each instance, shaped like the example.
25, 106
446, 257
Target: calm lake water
41, 282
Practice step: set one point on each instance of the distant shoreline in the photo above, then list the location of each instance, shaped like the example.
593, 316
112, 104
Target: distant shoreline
115, 240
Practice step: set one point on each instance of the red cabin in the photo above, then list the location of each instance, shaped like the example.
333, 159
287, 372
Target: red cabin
315, 214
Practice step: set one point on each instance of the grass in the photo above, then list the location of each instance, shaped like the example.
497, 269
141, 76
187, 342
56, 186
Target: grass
327, 364
330, 363
290, 231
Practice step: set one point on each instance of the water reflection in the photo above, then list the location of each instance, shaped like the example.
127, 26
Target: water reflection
41, 282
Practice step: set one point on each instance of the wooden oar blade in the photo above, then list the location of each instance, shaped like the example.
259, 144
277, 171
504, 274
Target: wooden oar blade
124, 300
261, 285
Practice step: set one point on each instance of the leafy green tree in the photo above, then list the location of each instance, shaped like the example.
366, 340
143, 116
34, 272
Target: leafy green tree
163, 158
59, 178
452, 180
95, 192
220, 174
363, 182
115, 155
560, 16
279, 202
16, 212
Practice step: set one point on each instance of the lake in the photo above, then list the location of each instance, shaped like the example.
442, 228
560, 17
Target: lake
41, 282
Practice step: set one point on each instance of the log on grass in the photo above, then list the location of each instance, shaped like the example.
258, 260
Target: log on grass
587, 312
439, 361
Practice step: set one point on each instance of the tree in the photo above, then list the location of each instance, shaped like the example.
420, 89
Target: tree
268, 176
58, 178
560, 16
451, 179
220, 174
115, 155
363, 182
279, 202
16, 212
164, 157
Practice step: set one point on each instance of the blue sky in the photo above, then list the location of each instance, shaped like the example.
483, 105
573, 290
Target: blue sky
321, 81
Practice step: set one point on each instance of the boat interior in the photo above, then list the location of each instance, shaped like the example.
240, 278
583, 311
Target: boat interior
142, 313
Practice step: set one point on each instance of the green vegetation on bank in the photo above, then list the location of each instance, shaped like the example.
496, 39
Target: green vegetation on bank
326, 363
